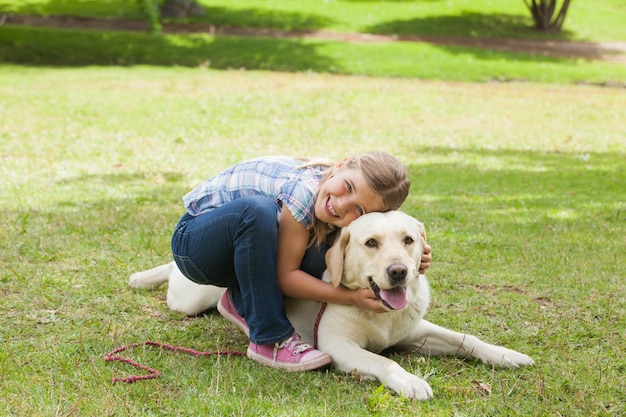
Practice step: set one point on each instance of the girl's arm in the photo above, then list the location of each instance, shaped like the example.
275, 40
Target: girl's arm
293, 239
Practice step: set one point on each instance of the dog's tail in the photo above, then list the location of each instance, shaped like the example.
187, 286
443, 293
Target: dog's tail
152, 278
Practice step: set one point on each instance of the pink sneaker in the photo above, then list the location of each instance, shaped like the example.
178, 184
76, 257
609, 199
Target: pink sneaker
292, 354
227, 309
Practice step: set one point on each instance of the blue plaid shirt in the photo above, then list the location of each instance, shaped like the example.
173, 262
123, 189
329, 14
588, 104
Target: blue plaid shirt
278, 177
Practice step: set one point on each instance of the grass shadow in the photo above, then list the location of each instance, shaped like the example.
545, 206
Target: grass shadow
218, 16
260, 18
508, 189
32, 46
109, 229
83, 8
468, 24
75, 48
499, 190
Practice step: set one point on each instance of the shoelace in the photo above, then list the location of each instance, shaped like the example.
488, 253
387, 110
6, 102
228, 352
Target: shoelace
295, 344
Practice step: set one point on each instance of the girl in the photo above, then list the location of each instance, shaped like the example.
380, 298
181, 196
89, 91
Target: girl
261, 228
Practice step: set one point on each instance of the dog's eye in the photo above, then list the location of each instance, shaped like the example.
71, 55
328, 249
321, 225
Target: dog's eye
408, 240
371, 243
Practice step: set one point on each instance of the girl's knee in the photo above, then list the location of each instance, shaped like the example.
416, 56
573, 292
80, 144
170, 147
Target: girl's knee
261, 207
261, 213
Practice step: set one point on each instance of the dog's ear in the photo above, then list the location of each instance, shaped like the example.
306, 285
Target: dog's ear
335, 255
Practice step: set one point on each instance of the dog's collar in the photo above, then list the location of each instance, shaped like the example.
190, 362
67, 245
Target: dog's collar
317, 324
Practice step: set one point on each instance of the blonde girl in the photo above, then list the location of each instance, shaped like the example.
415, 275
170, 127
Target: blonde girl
261, 229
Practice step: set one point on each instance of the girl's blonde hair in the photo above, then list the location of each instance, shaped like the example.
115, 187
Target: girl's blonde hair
385, 175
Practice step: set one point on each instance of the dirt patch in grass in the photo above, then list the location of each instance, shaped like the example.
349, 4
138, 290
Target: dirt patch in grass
607, 51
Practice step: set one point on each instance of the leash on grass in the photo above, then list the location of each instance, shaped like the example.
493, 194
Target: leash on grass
153, 373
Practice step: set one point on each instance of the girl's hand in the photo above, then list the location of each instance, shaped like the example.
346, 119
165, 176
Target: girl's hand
426, 258
365, 298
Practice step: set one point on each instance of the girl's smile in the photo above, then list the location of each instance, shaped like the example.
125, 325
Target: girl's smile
330, 209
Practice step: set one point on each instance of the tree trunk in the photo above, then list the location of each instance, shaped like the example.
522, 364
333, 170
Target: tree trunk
543, 12
180, 9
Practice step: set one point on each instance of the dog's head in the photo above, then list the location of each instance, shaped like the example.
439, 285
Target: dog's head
381, 251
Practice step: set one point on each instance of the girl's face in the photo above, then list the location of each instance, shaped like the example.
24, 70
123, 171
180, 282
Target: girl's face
344, 197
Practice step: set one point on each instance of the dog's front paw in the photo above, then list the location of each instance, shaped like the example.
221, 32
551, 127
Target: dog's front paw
507, 358
410, 386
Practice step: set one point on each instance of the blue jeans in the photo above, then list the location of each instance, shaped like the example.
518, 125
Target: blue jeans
234, 246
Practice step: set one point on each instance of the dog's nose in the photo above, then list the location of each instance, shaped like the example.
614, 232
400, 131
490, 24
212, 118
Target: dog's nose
397, 273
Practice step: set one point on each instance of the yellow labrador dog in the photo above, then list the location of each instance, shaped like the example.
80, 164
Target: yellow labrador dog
380, 251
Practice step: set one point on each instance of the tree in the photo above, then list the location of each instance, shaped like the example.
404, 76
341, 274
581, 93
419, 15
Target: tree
543, 14
178, 9
151, 11
181, 8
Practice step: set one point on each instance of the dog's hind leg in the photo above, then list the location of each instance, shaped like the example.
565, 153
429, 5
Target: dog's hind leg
183, 295
189, 298
436, 340
152, 278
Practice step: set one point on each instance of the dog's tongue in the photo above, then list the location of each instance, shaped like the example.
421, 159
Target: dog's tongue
396, 298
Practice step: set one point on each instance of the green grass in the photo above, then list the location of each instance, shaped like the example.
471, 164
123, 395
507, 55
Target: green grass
520, 186
589, 20
53, 47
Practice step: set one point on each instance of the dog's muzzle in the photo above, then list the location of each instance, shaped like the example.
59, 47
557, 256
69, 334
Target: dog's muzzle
394, 299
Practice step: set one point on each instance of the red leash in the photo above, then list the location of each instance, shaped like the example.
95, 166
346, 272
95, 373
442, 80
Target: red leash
153, 373
317, 324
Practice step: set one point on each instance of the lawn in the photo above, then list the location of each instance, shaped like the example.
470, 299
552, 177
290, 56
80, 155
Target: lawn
520, 186
589, 20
